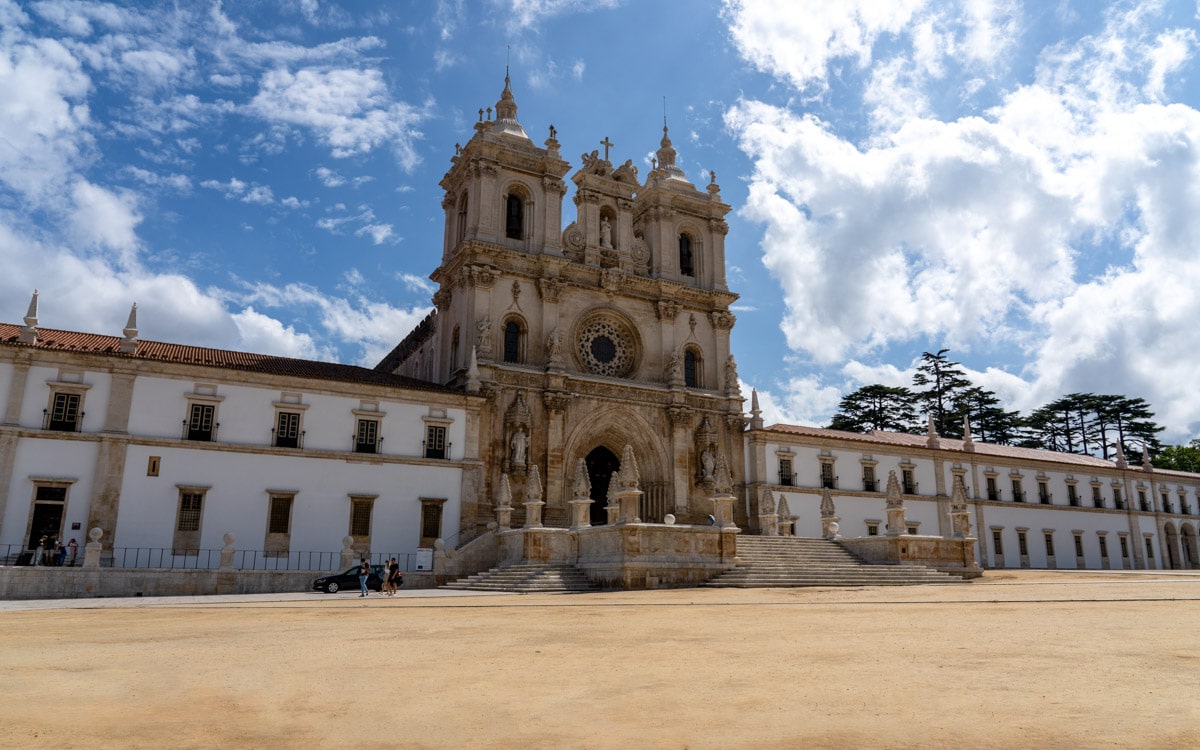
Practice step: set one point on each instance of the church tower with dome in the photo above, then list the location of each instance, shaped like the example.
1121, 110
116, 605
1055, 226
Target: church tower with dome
613, 331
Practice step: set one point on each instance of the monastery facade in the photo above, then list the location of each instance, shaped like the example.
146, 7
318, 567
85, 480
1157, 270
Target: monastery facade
548, 352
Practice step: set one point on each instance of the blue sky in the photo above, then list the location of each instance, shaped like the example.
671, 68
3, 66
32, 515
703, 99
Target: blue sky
1016, 181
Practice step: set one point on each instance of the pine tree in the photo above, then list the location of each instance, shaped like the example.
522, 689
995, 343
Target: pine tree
943, 382
877, 407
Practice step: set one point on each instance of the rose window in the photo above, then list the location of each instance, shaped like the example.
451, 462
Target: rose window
605, 348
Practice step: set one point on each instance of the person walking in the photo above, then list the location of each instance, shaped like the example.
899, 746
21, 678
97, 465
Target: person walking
394, 578
384, 578
364, 570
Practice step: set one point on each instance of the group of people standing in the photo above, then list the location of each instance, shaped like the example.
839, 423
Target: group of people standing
389, 577
51, 551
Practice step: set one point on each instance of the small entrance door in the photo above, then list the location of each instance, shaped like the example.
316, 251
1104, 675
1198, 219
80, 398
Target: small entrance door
601, 463
48, 506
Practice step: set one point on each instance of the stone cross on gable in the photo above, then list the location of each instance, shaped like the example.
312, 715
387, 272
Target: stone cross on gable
607, 145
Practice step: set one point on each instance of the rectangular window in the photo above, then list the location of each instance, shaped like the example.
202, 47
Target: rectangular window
360, 518
1022, 547
872, 529
1124, 547
997, 543
280, 521
869, 479
910, 486
1149, 548
152, 466
431, 520
279, 526
64, 413
287, 429
993, 493
1018, 494
1117, 502
435, 441
1079, 545
786, 477
1043, 493
187, 522
1104, 546
1097, 500
1072, 494
366, 436
827, 477
1049, 544
200, 424
1166, 503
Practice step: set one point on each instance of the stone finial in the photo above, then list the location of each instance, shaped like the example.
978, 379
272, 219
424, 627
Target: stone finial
827, 509
473, 373
1121, 462
895, 497
130, 342
756, 420
582, 487
968, 443
1146, 465
766, 502
931, 436
611, 497
504, 494
958, 494
533, 488
782, 508
722, 481
28, 333
630, 479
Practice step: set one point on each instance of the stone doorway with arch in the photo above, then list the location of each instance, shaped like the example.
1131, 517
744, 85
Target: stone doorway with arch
599, 441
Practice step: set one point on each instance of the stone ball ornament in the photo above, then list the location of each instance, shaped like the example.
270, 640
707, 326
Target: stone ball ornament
95, 533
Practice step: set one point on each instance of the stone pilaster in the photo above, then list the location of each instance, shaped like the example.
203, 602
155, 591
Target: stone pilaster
16, 391
107, 478
8, 454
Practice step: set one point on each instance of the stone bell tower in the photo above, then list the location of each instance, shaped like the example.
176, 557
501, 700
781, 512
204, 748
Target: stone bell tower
612, 332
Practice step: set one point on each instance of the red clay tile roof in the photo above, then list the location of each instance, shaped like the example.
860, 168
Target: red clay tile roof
94, 343
988, 450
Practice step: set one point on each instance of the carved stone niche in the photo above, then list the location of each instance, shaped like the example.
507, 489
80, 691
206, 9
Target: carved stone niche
706, 453
518, 434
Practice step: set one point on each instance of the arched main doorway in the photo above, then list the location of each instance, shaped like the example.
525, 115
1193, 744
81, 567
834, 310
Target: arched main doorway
601, 463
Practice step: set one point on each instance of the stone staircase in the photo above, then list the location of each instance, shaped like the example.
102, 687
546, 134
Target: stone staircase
527, 578
780, 562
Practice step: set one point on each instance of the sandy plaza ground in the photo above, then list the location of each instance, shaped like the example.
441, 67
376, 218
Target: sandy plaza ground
1032, 659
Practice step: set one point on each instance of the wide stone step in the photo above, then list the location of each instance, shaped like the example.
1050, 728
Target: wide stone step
777, 562
527, 578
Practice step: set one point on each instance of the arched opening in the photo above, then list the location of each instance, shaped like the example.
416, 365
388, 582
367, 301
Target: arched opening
514, 341
514, 217
687, 263
1171, 542
691, 368
601, 463
1191, 555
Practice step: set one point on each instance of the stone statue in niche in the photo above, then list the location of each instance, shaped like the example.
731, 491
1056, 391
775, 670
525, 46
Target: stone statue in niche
707, 463
520, 444
674, 372
483, 341
605, 232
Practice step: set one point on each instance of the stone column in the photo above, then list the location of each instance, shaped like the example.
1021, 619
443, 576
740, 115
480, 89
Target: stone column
681, 420
92, 550
556, 404
581, 505
227, 552
533, 499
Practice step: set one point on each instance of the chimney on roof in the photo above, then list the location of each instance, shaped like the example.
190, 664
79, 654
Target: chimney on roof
756, 420
130, 342
968, 443
29, 334
931, 436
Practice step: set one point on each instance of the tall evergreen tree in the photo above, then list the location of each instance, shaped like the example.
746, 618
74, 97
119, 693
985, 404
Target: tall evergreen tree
989, 422
877, 407
939, 382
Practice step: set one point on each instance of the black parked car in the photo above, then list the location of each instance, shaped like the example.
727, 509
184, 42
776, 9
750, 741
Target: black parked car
335, 582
